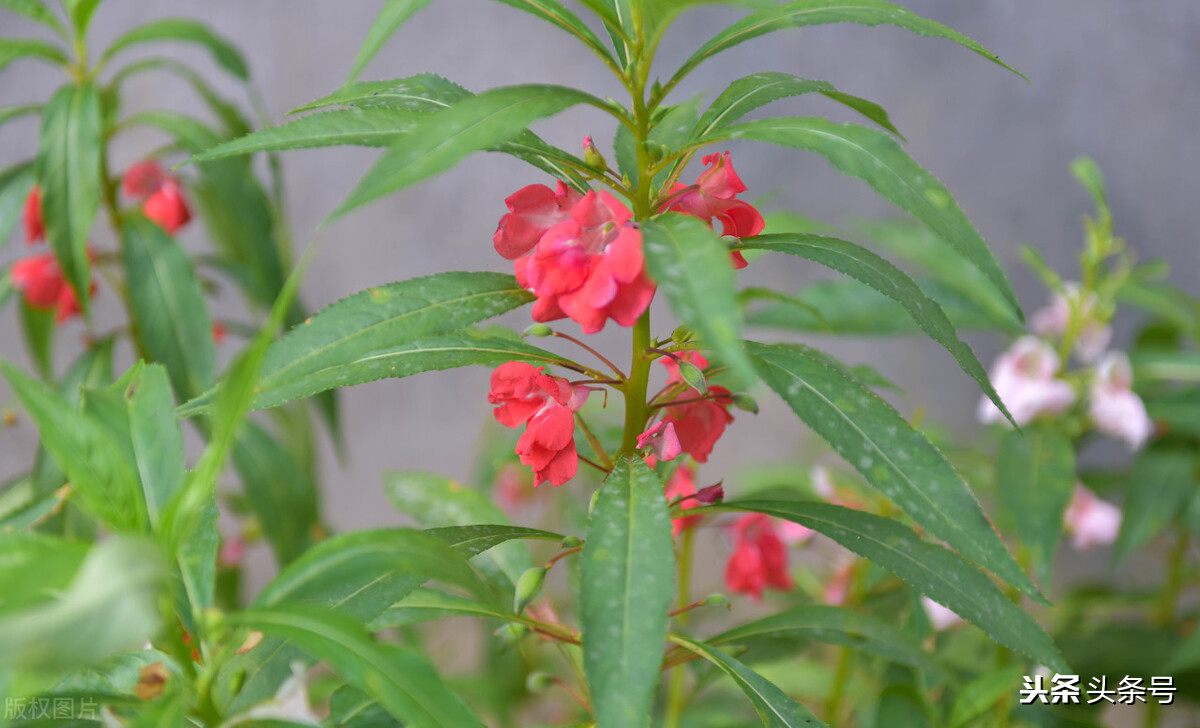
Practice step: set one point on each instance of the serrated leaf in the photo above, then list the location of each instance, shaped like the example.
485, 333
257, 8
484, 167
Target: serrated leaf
692, 266
185, 31
837, 626
898, 460
774, 708
553, 12
801, 13
370, 127
390, 18
439, 141
12, 49
878, 160
1035, 476
1162, 480
401, 680
424, 604
156, 440
432, 501
168, 306
390, 331
627, 576
69, 175
937, 572
751, 92
982, 694
863, 265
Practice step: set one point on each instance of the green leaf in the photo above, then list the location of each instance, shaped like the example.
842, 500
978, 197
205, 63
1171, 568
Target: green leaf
36, 569
36, 11
982, 694
1160, 484
897, 459
1166, 366
432, 500
627, 577
390, 331
183, 30
878, 160
195, 570
111, 604
15, 183
168, 306
775, 708
350, 707
282, 494
81, 12
69, 175
438, 142
424, 604
12, 49
751, 92
801, 13
553, 12
863, 265
371, 127
235, 123
157, 442
690, 263
834, 625
401, 680
902, 704
93, 459
390, 18
937, 572
37, 326
1035, 475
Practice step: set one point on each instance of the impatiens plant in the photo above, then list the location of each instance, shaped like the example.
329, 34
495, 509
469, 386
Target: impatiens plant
115, 596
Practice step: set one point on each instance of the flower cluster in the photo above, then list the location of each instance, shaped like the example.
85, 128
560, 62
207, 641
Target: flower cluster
1029, 379
579, 254
161, 195
696, 421
39, 277
546, 405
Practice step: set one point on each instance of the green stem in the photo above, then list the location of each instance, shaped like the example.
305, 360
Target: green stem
1165, 614
635, 388
676, 696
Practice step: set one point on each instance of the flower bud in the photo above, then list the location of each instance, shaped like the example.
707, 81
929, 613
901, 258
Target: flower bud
711, 494
529, 586
537, 330
743, 401
691, 374
538, 682
717, 600
592, 155
512, 632
681, 335
215, 625
571, 542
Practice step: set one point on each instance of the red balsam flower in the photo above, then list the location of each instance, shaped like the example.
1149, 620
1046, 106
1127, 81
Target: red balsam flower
40, 280
700, 423
546, 405
31, 216
759, 558
161, 194
714, 196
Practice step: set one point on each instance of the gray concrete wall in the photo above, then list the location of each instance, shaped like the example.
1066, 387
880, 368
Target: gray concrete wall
1111, 78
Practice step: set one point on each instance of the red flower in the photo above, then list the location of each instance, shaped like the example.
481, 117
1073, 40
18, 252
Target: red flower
41, 281
219, 332
31, 216
532, 211
661, 437
546, 405
759, 558
699, 424
713, 196
589, 268
161, 195
682, 483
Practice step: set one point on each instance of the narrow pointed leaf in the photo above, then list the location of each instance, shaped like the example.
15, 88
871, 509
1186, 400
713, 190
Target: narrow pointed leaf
229, 114
750, 92
379, 332
937, 572
1035, 475
390, 18
898, 460
691, 265
878, 160
36, 11
628, 582
553, 12
12, 49
186, 31
801, 13
370, 127
403, 682
168, 306
1160, 484
774, 708
80, 12
867, 267
438, 142
68, 173
423, 605
157, 442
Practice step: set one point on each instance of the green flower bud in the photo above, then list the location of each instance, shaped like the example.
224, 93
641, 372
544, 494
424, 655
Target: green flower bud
529, 586
592, 155
715, 600
537, 330
571, 542
692, 375
538, 682
681, 335
512, 632
743, 401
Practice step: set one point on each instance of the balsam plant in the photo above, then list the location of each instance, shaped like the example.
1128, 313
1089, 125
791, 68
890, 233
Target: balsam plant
599, 246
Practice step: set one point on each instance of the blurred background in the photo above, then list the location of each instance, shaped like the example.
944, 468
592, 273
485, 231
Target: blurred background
1113, 79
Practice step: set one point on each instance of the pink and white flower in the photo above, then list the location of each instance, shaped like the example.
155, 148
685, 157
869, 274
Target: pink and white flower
1091, 521
1113, 406
1025, 377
